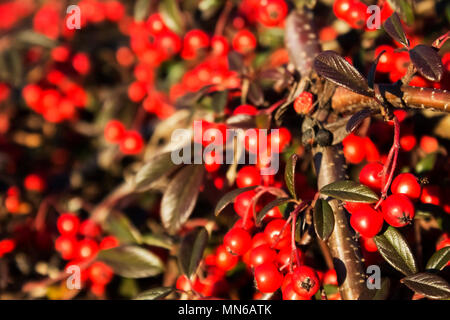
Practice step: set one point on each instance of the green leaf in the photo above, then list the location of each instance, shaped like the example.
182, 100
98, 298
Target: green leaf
394, 28
155, 240
132, 261
171, 15
141, 9
426, 163
191, 250
270, 206
348, 190
35, 38
289, 174
229, 198
121, 227
158, 167
155, 293
377, 294
428, 284
404, 9
219, 101
323, 219
180, 197
396, 251
439, 259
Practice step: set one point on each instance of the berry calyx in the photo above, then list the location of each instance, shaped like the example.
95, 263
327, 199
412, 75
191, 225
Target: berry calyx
398, 210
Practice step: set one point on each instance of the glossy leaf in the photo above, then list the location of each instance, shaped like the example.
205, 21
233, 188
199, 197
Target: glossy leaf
348, 190
180, 197
155, 293
333, 67
159, 241
171, 15
394, 28
356, 119
377, 294
191, 250
426, 163
158, 167
289, 174
404, 9
229, 198
395, 250
132, 261
141, 9
427, 62
275, 203
439, 259
323, 219
121, 227
430, 285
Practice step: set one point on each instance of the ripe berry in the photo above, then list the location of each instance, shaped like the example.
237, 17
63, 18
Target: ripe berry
89, 228
242, 203
367, 222
267, 277
290, 294
330, 277
224, 259
237, 240
66, 246
262, 254
352, 207
137, 91
429, 144
219, 45
100, 273
6, 246
356, 16
278, 239
354, 151
34, 182
114, 131
370, 175
260, 238
305, 281
249, 224
408, 142
279, 142
245, 109
108, 242
68, 224
341, 8
406, 183
81, 63
303, 104
87, 249
284, 256
397, 210
211, 163
272, 12
431, 195
368, 244
248, 176
386, 61
183, 283
244, 41
132, 143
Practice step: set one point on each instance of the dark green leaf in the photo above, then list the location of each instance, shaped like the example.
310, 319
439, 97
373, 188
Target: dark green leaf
219, 101
155, 293
333, 67
348, 190
157, 167
323, 219
171, 15
121, 227
377, 294
35, 38
289, 174
439, 259
141, 9
426, 163
396, 251
180, 197
191, 250
229, 198
270, 206
394, 28
356, 119
404, 9
160, 241
427, 62
428, 284
132, 261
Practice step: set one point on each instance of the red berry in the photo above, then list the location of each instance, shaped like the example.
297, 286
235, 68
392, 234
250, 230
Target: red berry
68, 224
278, 239
114, 131
262, 254
248, 176
429, 144
368, 244
244, 41
352, 207
408, 142
367, 222
303, 104
183, 283
87, 249
284, 256
397, 210
341, 8
132, 143
66, 246
260, 238
268, 278
354, 150
242, 203
34, 182
279, 142
290, 294
356, 16
89, 228
330, 277
370, 175
406, 183
305, 281
237, 240
137, 91
245, 109
7, 246
272, 12
224, 259
81, 63
387, 59
211, 163
100, 273
431, 195
108, 242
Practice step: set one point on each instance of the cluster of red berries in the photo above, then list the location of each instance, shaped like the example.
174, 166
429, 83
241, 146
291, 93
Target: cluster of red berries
80, 242
355, 13
270, 13
130, 141
33, 183
6, 246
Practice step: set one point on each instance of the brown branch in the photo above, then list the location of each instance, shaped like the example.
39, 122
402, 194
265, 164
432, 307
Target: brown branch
408, 97
344, 248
